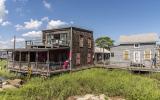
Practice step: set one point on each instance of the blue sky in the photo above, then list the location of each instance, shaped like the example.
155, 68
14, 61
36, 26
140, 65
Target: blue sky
26, 18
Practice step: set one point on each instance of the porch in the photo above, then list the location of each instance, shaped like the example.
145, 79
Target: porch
129, 65
44, 61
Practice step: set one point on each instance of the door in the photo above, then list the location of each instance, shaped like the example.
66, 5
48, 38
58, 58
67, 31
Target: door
136, 56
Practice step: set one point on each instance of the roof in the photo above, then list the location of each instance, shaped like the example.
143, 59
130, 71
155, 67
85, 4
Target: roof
68, 27
139, 38
100, 50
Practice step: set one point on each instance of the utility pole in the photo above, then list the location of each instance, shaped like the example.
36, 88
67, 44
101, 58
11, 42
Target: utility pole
70, 59
14, 47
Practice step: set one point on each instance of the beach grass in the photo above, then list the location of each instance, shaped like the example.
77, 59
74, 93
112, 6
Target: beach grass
92, 81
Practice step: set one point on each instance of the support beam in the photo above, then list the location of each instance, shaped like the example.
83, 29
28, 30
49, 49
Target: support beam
14, 47
36, 61
29, 65
7, 60
48, 63
70, 59
20, 60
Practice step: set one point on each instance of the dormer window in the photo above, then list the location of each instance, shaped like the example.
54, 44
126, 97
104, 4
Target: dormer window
136, 45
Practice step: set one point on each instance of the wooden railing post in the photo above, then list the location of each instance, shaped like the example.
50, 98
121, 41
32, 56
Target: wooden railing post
29, 65
7, 60
48, 64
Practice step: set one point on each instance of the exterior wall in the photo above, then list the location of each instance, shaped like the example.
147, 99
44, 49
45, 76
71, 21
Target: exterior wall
56, 31
118, 54
82, 50
76, 33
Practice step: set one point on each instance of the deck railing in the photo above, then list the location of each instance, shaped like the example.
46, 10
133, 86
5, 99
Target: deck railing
36, 67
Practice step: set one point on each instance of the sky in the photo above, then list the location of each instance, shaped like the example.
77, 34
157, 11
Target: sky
26, 18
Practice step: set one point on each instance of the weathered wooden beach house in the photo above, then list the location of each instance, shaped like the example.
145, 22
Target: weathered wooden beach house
71, 44
140, 50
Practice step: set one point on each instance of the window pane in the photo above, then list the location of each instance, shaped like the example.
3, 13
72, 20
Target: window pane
147, 55
81, 41
126, 55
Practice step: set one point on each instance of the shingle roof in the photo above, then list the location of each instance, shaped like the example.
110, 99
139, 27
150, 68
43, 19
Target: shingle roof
139, 38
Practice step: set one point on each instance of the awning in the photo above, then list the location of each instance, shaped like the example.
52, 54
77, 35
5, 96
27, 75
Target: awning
100, 50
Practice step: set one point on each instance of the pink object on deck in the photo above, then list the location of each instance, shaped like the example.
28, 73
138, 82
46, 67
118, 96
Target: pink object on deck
65, 65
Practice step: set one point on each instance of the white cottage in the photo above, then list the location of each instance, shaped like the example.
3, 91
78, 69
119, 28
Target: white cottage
136, 50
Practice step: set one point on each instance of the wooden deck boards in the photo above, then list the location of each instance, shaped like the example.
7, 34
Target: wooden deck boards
147, 69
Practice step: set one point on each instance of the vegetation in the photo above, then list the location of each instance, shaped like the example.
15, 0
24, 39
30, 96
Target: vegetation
96, 81
104, 42
3, 70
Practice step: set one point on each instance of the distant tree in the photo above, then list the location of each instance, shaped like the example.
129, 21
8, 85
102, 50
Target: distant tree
104, 42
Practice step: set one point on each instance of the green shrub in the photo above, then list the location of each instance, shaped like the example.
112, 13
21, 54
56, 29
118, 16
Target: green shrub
4, 71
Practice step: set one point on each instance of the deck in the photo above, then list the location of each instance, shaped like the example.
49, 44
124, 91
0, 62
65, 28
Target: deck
49, 72
47, 69
143, 69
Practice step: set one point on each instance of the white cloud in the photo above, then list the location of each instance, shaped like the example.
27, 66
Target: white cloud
19, 27
5, 23
71, 22
45, 19
3, 44
32, 34
3, 10
1, 20
32, 24
56, 24
46, 4
18, 40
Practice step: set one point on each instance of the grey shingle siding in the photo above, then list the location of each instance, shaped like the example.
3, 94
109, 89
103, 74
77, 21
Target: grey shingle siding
118, 54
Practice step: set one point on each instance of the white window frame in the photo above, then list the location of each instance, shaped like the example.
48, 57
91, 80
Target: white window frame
138, 45
150, 54
139, 53
128, 55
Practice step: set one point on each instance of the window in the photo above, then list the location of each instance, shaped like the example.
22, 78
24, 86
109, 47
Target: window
50, 37
89, 43
57, 36
16, 56
32, 56
136, 45
24, 56
78, 61
63, 36
126, 55
81, 41
89, 58
112, 54
42, 56
147, 55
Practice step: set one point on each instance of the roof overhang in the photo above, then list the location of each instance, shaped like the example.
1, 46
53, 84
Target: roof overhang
36, 49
